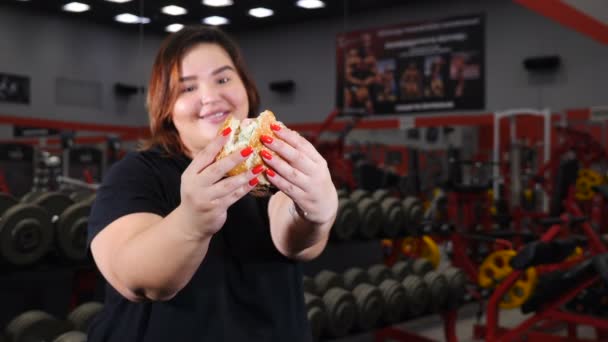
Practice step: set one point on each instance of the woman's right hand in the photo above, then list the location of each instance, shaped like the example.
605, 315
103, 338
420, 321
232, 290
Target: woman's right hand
206, 194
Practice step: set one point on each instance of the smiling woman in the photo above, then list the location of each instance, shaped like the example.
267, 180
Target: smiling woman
186, 249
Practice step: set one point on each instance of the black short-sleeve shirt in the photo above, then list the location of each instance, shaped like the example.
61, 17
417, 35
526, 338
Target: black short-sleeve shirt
244, 289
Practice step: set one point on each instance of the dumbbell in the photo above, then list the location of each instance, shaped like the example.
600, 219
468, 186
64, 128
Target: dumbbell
370, 214
392, 213
315, 311
417, 294
26, 231
457, 282
347, 220
402, 268
341, 312
395, 299
54, 202
72, 336
379, 273
353, 277
414, 212
326, 280
438, 288
83, 314
421, 267
370, 306
35, 325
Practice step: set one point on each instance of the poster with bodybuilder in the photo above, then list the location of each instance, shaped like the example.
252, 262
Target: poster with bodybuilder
431, 66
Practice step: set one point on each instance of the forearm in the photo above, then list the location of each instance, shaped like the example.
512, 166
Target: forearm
296, 237
159, 261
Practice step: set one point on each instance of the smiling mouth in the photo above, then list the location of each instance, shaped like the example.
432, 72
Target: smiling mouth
214, 115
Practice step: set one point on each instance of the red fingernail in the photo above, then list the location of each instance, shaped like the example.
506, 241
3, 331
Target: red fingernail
247, 151
266, 155
253, 181
275, 127
270, 173
266, 139
226, 131
258, 169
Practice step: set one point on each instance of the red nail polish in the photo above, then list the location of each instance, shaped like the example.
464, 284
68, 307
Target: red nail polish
266, 155
266, 139
247, 151
275, 127
258, 169
270, 173
226, 131
254, 181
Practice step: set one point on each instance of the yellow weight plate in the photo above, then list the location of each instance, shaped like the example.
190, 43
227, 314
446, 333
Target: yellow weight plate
424, 247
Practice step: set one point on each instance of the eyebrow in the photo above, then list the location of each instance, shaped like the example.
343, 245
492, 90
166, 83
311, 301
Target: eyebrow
213, 73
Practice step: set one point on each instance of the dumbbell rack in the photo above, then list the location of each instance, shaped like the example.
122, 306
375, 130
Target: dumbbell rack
339, 256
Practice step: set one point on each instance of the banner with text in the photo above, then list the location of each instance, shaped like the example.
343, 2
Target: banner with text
428, 66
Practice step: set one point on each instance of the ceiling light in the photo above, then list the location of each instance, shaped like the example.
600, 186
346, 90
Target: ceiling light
174, 27
128, 18
76, 7
174, 10
119, 1
215, 20
310, 4
217, 3
260, 12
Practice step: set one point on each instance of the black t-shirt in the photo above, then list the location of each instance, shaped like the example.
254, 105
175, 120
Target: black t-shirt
244, 290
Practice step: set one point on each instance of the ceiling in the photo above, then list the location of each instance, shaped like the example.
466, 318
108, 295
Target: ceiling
285, 12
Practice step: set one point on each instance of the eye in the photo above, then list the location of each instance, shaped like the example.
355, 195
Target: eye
223, 80
188, 89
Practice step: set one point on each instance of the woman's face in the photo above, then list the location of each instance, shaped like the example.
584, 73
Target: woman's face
210, 90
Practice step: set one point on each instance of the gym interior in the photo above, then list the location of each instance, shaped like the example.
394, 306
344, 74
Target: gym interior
467, 141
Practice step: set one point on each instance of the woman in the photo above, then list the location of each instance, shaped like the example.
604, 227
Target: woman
188, 254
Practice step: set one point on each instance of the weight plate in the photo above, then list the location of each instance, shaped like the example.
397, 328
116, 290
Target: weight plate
35, 326
326, 280
315, 310
80, 195
72, 336
379, 273
420, 267
353, 277
54, 202
71, 231
347, 220
381, 194
359, 194
341, 310
438, 287
371, 218
26, 234
401, 269
6, 201
395, 301
413, 210
394, 217
370, 305
457, 282
417, 294
83, 314
28, 197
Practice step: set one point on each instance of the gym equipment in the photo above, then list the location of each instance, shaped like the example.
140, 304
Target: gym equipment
413, 210
341, 310
417, 294
72, 336
402, 268
353, 277
326, 280
347, 220
392, 212
71, 231
35, 325
83, 314
585, 182
438, 288
457, 282
26, 232
379, 273
309, 285
370, 214
315, 311
420, 267
370, 305
422, 247
343, 193
54, 202
395, 300
496, 267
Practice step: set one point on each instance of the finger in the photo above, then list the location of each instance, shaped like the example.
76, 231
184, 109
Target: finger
297, 141
286, 170
207, 155
290, 154
290, 189
227, 186
218, 170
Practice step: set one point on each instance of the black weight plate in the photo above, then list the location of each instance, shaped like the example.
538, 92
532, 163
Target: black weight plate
370, 305
71, 231
354, 276
371, 218
341, 310
72, 336
395, 299
457, 285
82, 315
54, 202
438, 287
6, 201
359, 194
379, 273
80, 195
35, 326
26, 234
381, 194
420, 267
394, 217
30, 196
326, 280
347, 220
418, 295
315, 310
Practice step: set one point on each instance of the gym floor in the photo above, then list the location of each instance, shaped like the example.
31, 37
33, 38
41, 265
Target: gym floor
432, 326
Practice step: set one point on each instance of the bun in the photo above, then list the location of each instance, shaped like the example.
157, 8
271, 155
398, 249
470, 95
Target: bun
241, 137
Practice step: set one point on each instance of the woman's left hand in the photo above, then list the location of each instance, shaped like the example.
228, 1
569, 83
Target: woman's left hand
301, 173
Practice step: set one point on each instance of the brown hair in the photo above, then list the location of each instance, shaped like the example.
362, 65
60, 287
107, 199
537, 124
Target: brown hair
163, 89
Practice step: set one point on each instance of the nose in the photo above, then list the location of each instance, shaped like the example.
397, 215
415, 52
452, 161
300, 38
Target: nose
208, 94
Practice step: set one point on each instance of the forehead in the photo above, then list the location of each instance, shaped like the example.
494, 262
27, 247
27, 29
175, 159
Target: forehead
205, 57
